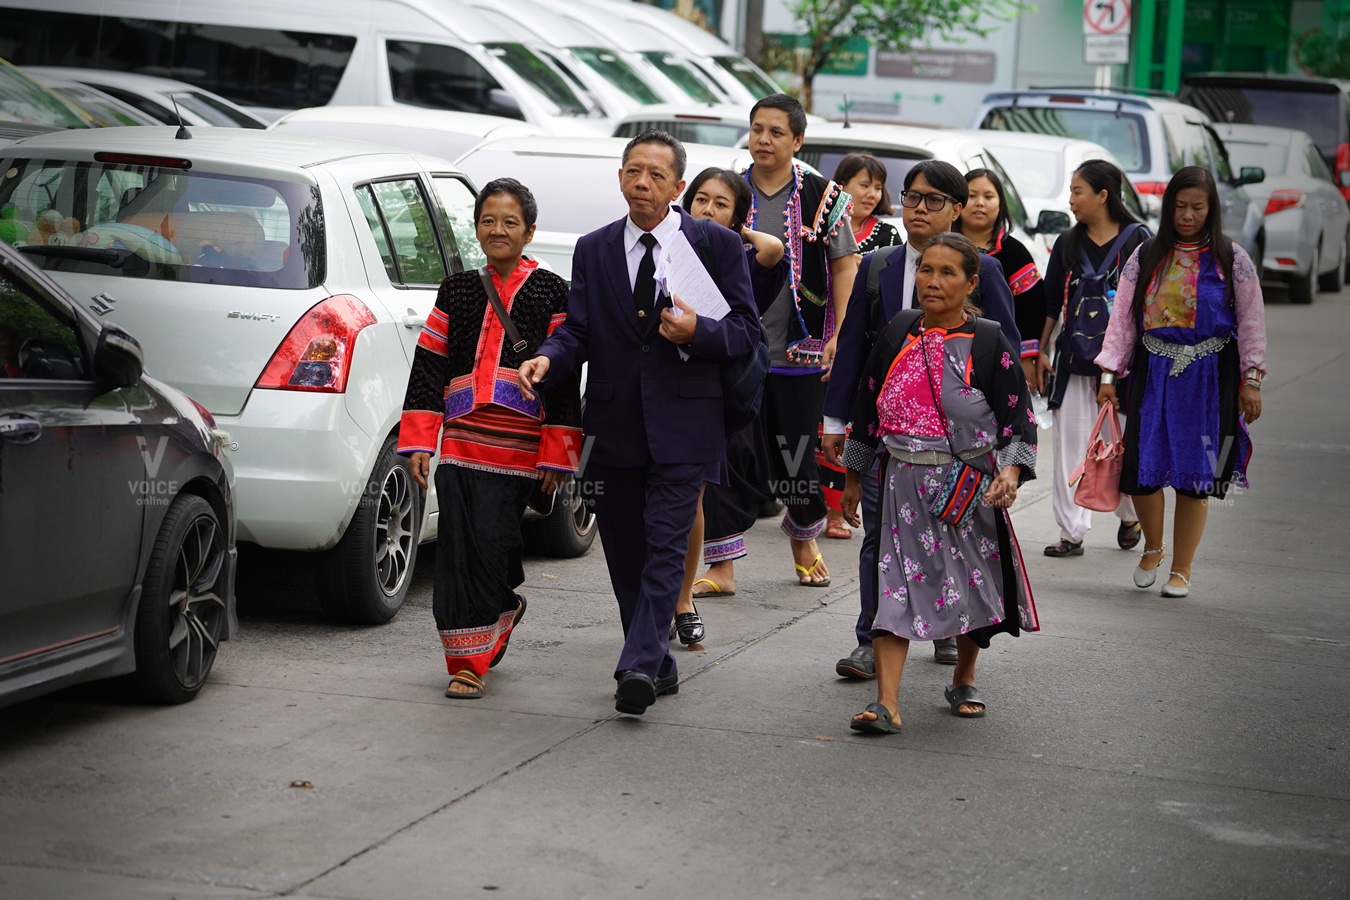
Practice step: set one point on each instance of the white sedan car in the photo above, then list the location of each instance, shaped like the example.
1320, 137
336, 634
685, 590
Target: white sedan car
282, 281
1042, 166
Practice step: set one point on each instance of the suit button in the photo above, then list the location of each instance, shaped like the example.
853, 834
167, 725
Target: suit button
644, 348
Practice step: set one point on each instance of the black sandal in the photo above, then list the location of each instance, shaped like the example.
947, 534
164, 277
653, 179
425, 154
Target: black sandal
1065, 548
1129, 534
882, 724
962, 696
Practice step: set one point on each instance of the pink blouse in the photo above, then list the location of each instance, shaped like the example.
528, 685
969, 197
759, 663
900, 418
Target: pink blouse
1249, 307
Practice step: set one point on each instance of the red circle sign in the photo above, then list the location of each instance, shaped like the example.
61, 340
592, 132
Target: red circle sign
1106, 16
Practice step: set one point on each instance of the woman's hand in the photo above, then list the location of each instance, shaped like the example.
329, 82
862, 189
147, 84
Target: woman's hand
549, 479
419, 464
1003, 491
1107, 394
1043, 373
848, 504
1249, 402
1029, 372
827, 356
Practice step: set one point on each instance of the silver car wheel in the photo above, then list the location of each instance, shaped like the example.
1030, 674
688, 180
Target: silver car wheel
394, 530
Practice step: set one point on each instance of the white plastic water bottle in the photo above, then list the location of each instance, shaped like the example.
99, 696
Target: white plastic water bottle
1110, 301
1040, 407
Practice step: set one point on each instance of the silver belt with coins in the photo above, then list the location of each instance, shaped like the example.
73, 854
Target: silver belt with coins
934, 457
1182, 355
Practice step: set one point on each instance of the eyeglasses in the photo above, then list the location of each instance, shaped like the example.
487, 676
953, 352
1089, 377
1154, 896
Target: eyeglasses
934, 202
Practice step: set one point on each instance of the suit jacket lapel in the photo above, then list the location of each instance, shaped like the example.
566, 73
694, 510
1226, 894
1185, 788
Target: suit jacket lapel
615, 261
894, 290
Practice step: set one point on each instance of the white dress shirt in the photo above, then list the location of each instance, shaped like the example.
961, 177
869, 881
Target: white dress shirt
664, 233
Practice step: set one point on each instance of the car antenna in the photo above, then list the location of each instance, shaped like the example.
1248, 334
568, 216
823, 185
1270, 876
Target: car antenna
182, 134
847, 123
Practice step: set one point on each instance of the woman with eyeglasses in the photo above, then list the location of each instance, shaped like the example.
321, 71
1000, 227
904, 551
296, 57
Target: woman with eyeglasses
1106, 228
985, 220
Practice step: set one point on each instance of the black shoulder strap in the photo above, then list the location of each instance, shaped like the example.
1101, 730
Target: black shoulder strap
987, 333
876, 261
512, 333
900, 326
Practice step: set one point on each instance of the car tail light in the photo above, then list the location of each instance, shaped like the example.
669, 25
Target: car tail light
1286, 261
317, 353
1343, 169
1285, 199
205, 413
1156, 188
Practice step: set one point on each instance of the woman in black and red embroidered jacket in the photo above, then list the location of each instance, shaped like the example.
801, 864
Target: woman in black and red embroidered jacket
496, 446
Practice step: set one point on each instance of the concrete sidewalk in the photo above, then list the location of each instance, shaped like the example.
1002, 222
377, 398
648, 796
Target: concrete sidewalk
1137, 746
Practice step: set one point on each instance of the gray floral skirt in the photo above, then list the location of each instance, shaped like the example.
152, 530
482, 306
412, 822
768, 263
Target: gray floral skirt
935, 580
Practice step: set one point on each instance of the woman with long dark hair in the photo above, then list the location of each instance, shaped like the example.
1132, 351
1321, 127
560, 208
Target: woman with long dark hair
1189, 326
985, 220
1105, 236
726, 511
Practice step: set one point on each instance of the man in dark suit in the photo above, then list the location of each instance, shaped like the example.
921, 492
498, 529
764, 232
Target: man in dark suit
934, 194
653, 398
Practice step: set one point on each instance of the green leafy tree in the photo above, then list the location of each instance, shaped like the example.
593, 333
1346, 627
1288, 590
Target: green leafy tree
1325, 54
888, 24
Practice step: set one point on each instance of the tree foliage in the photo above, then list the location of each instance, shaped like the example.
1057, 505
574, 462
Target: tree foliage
889, 25
1325, 54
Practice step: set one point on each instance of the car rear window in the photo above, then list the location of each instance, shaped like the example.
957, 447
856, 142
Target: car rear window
1316, 112
1124, 134
148, 219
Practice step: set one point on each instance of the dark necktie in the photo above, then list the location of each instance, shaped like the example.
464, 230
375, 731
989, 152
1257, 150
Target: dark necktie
644, 286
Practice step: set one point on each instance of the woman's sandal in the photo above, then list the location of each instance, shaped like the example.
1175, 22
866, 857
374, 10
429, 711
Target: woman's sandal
520, 614
806, 573
1169, 591
1144, 578
882, 724
716, 589
468, 679
964, 695
838, 529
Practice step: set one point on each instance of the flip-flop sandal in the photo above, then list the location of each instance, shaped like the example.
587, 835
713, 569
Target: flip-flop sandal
882, 724
1128, 536
838, 530
468, 679
715, 592
808, 571
520, 614
964, 694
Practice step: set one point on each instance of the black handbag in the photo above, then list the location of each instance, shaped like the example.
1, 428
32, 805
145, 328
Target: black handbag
540, 501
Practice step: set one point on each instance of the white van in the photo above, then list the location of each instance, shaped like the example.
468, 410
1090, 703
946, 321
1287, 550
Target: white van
620, 80
279, 55
739, 79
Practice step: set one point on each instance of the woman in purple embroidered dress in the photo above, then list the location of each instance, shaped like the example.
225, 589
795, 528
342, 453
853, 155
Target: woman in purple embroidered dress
1189, 324
938, 382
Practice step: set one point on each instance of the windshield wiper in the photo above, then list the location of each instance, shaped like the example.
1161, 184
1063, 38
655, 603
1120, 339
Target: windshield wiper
116, 258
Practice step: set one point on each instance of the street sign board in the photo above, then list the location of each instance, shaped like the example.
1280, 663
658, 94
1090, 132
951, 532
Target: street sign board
1105, 49
1106, 17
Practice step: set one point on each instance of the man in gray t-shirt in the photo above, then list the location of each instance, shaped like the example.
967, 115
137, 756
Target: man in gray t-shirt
794, 391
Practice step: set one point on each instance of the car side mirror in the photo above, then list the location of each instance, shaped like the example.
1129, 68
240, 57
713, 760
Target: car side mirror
1251, 175
118, 360
1053, 221
502, 103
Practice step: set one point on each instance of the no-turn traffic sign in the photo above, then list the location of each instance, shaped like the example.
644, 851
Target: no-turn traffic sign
1106, 17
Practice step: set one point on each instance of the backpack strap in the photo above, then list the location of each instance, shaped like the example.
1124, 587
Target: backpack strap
879, 260
1112, 252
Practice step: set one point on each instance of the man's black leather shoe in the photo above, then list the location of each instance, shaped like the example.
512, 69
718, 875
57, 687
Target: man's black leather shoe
636, 692
668, 684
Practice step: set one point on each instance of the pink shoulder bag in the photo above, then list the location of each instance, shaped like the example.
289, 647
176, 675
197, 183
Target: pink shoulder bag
1098, 475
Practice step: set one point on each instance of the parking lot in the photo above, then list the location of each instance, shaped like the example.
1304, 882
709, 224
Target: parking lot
1137, 746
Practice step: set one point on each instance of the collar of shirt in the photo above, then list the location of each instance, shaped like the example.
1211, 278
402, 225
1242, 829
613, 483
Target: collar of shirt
911, 270
664, 233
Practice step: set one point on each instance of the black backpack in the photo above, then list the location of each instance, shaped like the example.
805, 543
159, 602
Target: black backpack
742, 378
1089, 312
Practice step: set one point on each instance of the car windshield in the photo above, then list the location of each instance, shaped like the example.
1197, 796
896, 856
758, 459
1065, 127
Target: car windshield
1271, 157
1121, 133
24, 100
690, 131
613, 69
1038, 173
576, 194
542, 77
682, 75
1312, 111
155, 218
104, 109
747, 75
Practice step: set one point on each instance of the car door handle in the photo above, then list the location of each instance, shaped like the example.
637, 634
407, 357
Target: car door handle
19, 429
413, 320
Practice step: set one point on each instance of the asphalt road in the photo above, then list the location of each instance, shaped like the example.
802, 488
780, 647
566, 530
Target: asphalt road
1136, 747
